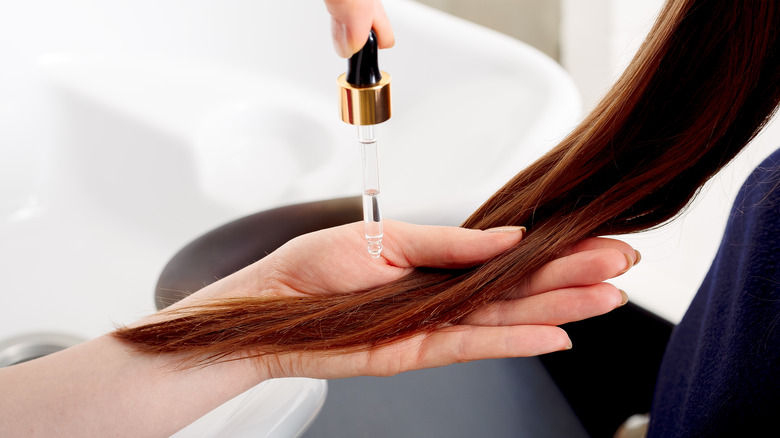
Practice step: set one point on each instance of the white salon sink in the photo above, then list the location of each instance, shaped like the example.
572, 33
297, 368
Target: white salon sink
128, 128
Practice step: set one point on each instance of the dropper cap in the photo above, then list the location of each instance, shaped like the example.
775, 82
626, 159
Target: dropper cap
364, 90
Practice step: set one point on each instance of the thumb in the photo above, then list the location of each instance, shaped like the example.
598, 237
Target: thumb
351, 22
408, 245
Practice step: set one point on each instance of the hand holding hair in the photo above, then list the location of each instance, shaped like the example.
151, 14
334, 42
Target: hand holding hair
332, 263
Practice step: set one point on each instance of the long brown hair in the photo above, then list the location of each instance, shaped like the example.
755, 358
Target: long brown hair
702, 85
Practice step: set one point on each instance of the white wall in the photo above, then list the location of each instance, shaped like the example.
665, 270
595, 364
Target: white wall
598, 39
532, 21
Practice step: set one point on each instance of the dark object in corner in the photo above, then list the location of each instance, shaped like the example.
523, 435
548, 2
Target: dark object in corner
231, 247
610, 373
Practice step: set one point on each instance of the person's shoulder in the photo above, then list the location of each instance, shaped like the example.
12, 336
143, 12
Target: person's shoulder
770, 167
762, 188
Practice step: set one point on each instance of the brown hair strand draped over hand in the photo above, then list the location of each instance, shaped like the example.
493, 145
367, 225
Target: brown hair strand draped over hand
702, 85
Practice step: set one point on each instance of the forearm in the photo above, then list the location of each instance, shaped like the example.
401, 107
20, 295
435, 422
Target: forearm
103, 388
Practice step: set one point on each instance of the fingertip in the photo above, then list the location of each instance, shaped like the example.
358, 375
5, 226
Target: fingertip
566, 344
388, 44
564, 341
623, 298
604, 243
611, 297
339, 36
507, 229
358, 38
511, 234
629, 264
505, 237
384, 34
382, 27
554, 339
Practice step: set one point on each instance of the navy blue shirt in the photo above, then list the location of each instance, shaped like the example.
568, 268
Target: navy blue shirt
720, 375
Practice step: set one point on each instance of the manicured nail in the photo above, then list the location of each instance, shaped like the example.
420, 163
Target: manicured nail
638, 257
629, 265
624, 300
507, 229
339, 33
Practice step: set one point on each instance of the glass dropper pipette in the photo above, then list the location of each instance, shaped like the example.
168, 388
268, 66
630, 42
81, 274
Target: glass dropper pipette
364, 98
372, 216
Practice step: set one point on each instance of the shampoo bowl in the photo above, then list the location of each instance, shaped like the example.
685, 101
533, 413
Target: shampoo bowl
128, 128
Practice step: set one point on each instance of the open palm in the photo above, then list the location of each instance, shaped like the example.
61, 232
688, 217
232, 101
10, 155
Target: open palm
335, 261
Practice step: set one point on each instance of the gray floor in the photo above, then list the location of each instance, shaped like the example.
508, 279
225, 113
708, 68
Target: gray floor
493, 398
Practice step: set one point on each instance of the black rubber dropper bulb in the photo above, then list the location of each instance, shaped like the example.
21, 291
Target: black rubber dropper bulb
364, 90
363, 67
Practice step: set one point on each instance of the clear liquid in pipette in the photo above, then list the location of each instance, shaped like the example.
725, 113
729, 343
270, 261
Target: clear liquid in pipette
372, 219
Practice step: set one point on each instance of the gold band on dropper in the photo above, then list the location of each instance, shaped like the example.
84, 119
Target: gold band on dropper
369, 105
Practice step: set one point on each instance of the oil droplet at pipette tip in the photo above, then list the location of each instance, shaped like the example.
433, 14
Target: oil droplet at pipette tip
372, 219
375, 247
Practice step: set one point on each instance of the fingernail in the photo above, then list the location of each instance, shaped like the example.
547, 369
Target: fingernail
339, 33
629, 265
567, 346
625, 297
638, 257
506, 229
